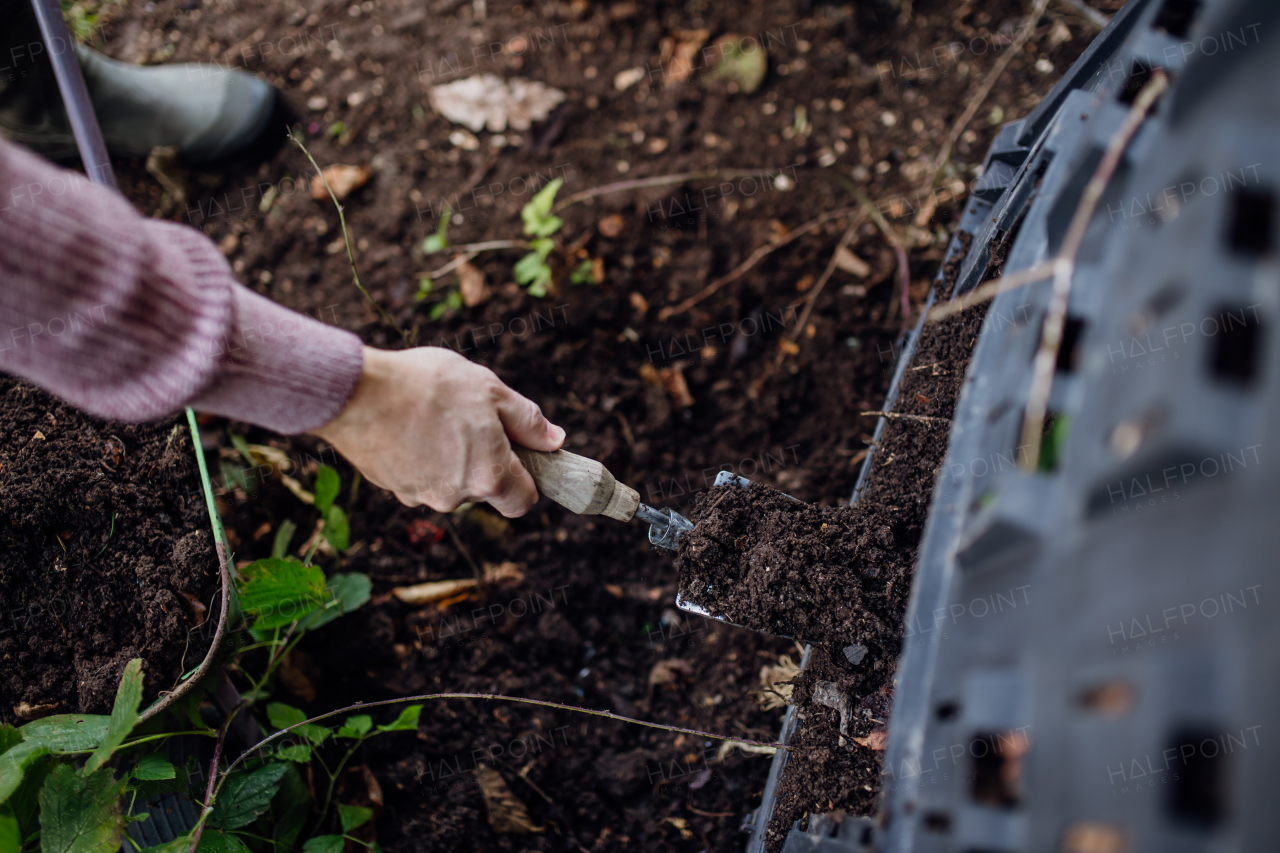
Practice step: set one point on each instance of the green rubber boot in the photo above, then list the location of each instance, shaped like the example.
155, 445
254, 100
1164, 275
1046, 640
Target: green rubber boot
210, 114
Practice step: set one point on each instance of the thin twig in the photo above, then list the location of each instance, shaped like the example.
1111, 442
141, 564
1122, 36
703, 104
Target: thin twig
471, 250
845, 240
1089, 13
213, 777
346, 238
1064, 268
899, 250
899, 415
756, 256
430, 696
990, 290
708, 814
944, 156
658, 181
449, 267
457, 541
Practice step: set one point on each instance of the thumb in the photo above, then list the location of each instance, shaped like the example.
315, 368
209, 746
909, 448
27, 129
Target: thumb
525, 424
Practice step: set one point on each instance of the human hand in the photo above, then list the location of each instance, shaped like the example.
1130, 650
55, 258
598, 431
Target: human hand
436, 429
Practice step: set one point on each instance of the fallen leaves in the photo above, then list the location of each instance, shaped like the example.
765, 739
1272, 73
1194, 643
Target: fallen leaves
611, 226
198, 610
488, 100
773, 692
344, 180
639, 303
294, 676
506, 813
681, 824
669, 671
670, 379
448, 591
624, 80
851, 263
25, 711
876, 741
471, 284
678, 52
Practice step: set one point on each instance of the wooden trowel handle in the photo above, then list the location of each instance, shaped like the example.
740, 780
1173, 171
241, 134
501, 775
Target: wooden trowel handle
579, 484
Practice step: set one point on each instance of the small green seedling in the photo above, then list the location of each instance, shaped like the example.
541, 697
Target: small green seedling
532, 270
439, 241
584, 274
539, 223
337, 530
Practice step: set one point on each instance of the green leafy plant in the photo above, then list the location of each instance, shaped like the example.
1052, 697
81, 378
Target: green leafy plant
452, 302
532, 270
50, 804
540, 223
337, 530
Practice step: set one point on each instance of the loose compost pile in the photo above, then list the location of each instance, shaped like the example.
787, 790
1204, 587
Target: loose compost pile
105, 555
760, 559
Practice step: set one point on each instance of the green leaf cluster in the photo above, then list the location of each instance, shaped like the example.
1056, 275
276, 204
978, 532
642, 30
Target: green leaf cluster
540, 223
337, 530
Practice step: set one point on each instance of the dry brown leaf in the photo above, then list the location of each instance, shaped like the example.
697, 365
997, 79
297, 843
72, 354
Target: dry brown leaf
597, 270
875, 741
344, 180
506, 813
639, 303
433, 591
851, 263
443, 593
614, 590
669, 671
25, 711
679, 51
772, 693
504, 573
487, 99
471, 284
371, 785
198, 610
492, 525
293, 675
649, 374
681, 824
611, 226
677, 388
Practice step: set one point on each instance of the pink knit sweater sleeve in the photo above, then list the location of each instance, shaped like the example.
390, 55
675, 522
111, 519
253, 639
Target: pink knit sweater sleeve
133, 318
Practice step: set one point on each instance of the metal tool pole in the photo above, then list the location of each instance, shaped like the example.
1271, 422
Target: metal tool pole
75, 95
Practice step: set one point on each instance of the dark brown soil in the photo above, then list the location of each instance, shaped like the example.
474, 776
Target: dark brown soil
584, 353
105, 555
760, 559
897, 494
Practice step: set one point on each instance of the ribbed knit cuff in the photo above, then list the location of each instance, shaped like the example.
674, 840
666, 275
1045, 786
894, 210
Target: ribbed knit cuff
279, 369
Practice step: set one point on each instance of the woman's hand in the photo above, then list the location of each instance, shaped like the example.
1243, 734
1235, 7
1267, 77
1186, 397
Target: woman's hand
436, 429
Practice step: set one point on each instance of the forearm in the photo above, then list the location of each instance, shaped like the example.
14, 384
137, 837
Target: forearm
132, 318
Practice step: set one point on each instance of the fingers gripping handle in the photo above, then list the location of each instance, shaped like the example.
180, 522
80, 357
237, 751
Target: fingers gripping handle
579, 484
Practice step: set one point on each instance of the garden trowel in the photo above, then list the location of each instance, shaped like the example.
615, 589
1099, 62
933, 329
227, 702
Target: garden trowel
586, 487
